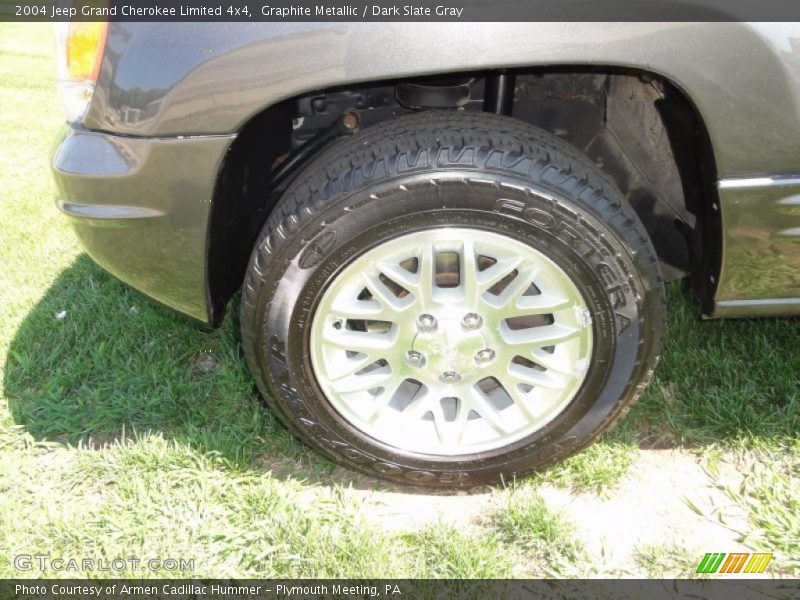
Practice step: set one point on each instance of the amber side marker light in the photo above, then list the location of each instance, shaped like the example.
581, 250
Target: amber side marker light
80, 47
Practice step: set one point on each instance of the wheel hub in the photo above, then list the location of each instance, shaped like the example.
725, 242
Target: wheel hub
450, 341
451, 349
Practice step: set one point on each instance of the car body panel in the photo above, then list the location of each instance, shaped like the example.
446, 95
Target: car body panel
172, 96
760, 274
167, 79
140, 207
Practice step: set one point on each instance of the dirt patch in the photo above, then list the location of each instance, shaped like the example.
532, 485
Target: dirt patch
395, 510
653, 506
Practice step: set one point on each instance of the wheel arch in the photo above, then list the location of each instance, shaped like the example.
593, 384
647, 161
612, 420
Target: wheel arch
244, 196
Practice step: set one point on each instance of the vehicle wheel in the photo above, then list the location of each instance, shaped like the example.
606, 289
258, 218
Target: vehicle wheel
451, 299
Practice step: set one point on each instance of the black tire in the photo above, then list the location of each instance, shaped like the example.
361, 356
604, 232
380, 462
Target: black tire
453, 168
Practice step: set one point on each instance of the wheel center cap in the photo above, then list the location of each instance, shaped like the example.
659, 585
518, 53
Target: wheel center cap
450, 351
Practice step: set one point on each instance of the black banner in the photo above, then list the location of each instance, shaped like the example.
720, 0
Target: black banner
264, 589
401, 10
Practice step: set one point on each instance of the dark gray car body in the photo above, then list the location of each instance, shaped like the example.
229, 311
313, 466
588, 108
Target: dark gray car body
139, 175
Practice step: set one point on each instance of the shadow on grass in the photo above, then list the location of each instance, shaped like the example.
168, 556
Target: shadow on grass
721, 382
94, 362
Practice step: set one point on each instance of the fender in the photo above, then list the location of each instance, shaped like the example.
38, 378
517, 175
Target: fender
167, 79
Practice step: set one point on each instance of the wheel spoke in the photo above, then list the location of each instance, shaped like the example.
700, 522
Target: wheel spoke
546, 335
450, 432
386, 297
526, 306
381, 402
521, 399
418, 406
537, 305
514, 290
353, 365
399, 275
553, 362
363, 310
358, 383
519, 374
361, 341
502, 268
481, 405
427, 273
469, 272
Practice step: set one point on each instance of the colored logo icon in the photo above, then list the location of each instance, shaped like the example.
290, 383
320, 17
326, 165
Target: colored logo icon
742, 562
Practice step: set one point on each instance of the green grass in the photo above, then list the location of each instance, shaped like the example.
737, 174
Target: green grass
597, 469
128, 430
544, 539
159, 498
770, 494
733, 383
440, 551
661, 561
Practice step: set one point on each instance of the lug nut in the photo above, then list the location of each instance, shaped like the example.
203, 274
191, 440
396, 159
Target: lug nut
471, 321
426, 323
415, 359
450, 377
485, 355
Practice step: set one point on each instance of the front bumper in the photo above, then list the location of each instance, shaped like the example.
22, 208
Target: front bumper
141, 208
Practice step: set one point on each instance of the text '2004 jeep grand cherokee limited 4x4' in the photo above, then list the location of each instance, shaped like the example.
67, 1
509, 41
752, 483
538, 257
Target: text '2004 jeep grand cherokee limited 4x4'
452, 256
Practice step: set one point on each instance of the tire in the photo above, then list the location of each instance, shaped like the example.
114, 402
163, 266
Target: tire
428, 180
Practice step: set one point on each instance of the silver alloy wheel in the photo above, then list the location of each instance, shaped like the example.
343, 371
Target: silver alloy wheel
451, 341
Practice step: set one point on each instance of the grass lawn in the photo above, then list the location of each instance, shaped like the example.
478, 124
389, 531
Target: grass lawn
127, 431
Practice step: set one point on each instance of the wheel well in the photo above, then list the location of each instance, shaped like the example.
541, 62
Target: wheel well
639, 128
